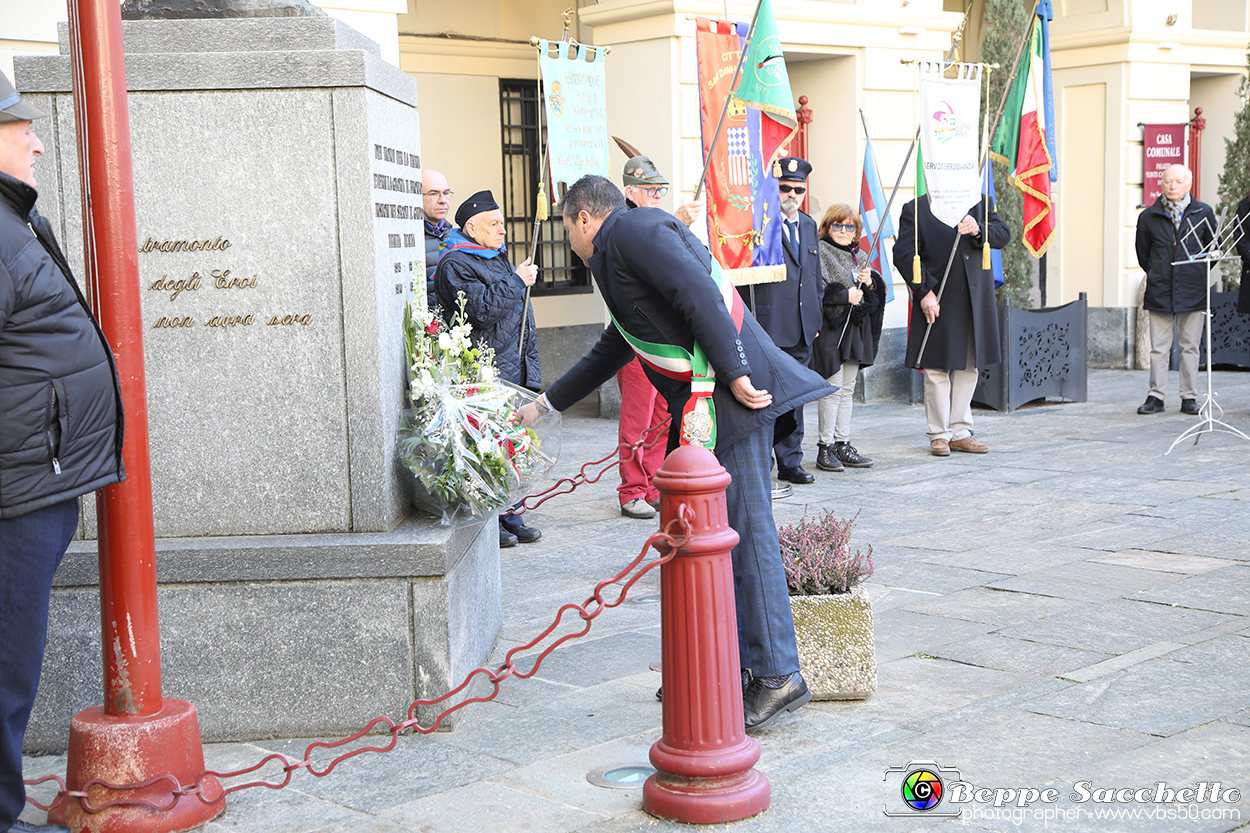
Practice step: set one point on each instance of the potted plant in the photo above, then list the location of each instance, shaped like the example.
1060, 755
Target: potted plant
832, 615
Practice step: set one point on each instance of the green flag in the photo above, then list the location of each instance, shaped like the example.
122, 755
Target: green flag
765, 86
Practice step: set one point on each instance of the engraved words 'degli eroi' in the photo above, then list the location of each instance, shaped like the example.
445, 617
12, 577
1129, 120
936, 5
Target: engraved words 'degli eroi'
210, 280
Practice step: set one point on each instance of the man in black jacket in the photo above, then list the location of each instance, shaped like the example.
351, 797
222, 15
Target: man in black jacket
1177, 227
657, 281
61, 435
790, 311
963, 327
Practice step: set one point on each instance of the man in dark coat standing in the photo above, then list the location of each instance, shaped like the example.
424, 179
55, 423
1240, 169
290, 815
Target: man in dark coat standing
1177, 227
436, 197
60, 431
790, 311
658, 282
475, 262
964, 324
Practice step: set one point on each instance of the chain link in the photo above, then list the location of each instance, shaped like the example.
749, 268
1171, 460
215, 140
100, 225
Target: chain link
208, 787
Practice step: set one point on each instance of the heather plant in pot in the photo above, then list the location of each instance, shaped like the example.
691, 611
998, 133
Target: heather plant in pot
832, 615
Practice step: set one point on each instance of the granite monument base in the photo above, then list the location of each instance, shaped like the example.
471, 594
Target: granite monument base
290, 635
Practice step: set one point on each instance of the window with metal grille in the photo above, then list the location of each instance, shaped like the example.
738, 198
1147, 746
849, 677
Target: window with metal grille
560, 271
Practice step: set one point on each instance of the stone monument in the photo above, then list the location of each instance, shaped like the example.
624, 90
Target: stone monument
277, 176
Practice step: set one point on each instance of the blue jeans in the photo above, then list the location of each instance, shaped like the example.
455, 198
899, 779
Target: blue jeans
31, 548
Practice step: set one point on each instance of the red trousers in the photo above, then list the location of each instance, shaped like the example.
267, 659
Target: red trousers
642, 408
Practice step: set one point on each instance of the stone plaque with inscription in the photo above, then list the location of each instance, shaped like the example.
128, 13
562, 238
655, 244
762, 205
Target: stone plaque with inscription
277, 173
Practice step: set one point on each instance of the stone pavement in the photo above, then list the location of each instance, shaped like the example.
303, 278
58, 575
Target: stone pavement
1071, 607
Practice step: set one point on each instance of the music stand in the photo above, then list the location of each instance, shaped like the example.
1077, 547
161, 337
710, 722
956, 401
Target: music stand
1217, 252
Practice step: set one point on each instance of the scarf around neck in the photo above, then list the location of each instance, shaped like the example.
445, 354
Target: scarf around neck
458, 242
838, 263
1176, 210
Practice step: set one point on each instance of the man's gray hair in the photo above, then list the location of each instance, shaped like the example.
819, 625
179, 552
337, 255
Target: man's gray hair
595, 195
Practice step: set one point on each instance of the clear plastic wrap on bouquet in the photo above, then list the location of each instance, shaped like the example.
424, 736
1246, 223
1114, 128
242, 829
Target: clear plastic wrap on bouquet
467, 451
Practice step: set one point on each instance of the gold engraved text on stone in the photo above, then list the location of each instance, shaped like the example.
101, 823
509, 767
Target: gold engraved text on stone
173, 322
222, 280
218, 245
288, 320
165, 284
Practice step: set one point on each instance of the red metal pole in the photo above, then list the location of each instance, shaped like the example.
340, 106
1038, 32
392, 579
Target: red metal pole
138, 734
1196, 125
804, 115
704, 761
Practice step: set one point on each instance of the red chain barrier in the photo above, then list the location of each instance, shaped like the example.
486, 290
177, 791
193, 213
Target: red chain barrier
664, 541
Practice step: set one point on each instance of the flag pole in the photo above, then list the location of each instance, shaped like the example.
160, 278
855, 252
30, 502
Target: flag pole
985, 153
733, 85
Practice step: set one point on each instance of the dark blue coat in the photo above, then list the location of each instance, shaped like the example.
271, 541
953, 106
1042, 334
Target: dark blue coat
496, 310
655, 277
60, 402
790, 311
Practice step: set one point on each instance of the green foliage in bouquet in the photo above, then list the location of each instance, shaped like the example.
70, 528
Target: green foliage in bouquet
461, 438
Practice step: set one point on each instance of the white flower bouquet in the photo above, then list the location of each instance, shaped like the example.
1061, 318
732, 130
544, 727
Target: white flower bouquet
462, 438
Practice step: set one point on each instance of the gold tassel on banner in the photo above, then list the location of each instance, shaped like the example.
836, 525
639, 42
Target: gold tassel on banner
985, 256
915, 269
541, 211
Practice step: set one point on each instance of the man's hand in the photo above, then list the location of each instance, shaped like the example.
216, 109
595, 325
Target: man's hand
968, 226
689, 212
527, 272
746, 393
929, 306
528, 413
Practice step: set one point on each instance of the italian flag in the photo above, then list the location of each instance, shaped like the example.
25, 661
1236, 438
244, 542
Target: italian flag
1020, 143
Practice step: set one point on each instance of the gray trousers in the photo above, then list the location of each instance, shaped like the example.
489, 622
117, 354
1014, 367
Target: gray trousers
834, 410
1189, 330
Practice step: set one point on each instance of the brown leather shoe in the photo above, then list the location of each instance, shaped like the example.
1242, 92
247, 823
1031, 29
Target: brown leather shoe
939, 448
969, 444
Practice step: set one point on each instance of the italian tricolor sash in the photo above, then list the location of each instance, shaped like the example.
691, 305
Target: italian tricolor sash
698, 419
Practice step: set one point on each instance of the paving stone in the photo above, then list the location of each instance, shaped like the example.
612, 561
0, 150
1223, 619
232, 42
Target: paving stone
1159, 697
1112, 535
991, 607
901, 633
494, 807
1164, 562
1224, 591
987, 748
1114, 627
933, 578
1013, 560
1087, 581
1015, 655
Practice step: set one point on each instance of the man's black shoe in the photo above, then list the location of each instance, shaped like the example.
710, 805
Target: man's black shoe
795, 475
1152, 405
524, 534
20, 826
850, 457
762, 705
746, 683
506, 538
1189, 406
826, 460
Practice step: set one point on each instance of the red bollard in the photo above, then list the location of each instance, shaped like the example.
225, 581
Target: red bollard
705, 761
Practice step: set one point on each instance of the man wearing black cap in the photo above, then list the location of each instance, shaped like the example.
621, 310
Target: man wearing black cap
790, 312
475, 262
60, 436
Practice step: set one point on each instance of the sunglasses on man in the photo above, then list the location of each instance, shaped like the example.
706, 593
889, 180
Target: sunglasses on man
798, 189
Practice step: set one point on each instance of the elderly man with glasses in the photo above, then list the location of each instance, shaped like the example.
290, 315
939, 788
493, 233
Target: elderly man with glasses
436, 199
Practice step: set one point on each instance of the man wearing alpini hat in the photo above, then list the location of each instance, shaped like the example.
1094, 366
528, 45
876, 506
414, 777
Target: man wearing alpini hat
60, 436
475, 261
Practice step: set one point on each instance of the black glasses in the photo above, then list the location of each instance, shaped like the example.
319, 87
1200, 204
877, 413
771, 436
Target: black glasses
798, 189
436, 194
842, 227
654, 191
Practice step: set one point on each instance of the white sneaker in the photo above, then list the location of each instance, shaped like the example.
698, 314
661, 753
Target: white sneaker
638, 508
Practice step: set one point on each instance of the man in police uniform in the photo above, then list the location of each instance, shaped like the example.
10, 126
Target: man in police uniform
790, 311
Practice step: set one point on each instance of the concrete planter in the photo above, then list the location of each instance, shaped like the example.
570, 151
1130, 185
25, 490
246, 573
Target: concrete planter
837, 654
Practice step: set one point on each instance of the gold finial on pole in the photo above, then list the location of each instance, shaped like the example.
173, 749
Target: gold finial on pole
568, 21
